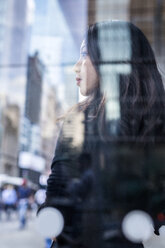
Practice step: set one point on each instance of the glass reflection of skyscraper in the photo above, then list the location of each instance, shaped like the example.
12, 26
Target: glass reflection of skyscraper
34, 89
14, 42
15, 34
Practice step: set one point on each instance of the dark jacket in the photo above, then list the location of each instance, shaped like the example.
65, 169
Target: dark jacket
118, 179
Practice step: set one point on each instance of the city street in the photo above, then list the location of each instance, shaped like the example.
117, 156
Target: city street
12, 237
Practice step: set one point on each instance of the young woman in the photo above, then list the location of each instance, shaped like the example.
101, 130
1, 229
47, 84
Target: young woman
107, 159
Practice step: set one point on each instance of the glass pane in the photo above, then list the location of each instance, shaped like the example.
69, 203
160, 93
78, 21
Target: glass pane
82, 121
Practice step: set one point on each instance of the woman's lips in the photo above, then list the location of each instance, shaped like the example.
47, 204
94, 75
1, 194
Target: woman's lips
78, 81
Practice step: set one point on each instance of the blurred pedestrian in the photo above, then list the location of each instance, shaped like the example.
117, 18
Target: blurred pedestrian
9, 200
24, 193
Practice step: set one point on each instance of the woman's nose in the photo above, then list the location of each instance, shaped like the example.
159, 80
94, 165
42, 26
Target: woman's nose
76, 67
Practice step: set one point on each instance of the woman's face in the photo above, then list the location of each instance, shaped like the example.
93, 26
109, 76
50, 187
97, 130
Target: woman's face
86, 76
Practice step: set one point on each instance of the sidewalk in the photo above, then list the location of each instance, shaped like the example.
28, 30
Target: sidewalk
12, 237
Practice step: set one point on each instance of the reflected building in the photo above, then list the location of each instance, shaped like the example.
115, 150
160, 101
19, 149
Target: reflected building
100, 10
76, 24
31, 119
30, 161
15, 23
10, 117
59, 44
49, 128
34, 93
34, 89
150, 17
15, 36
59, 87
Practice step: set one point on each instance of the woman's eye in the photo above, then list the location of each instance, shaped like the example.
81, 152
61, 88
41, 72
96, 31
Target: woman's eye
83, 55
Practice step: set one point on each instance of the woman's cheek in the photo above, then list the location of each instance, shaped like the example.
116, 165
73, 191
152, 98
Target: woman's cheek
85, 72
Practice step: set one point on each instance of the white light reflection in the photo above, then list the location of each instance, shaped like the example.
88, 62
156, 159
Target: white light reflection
49, 222
30, 15
162, 231
115, 47
156, 241
137, 226
110, 86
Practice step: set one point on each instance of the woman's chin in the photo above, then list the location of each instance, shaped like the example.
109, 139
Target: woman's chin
83, 92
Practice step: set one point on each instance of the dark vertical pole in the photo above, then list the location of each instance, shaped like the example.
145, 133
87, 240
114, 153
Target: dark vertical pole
158, 26
91, 11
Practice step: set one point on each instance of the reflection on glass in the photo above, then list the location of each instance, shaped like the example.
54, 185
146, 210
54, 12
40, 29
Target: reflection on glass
97, 183
109, 148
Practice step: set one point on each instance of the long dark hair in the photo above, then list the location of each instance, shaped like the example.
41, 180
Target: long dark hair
141, 92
